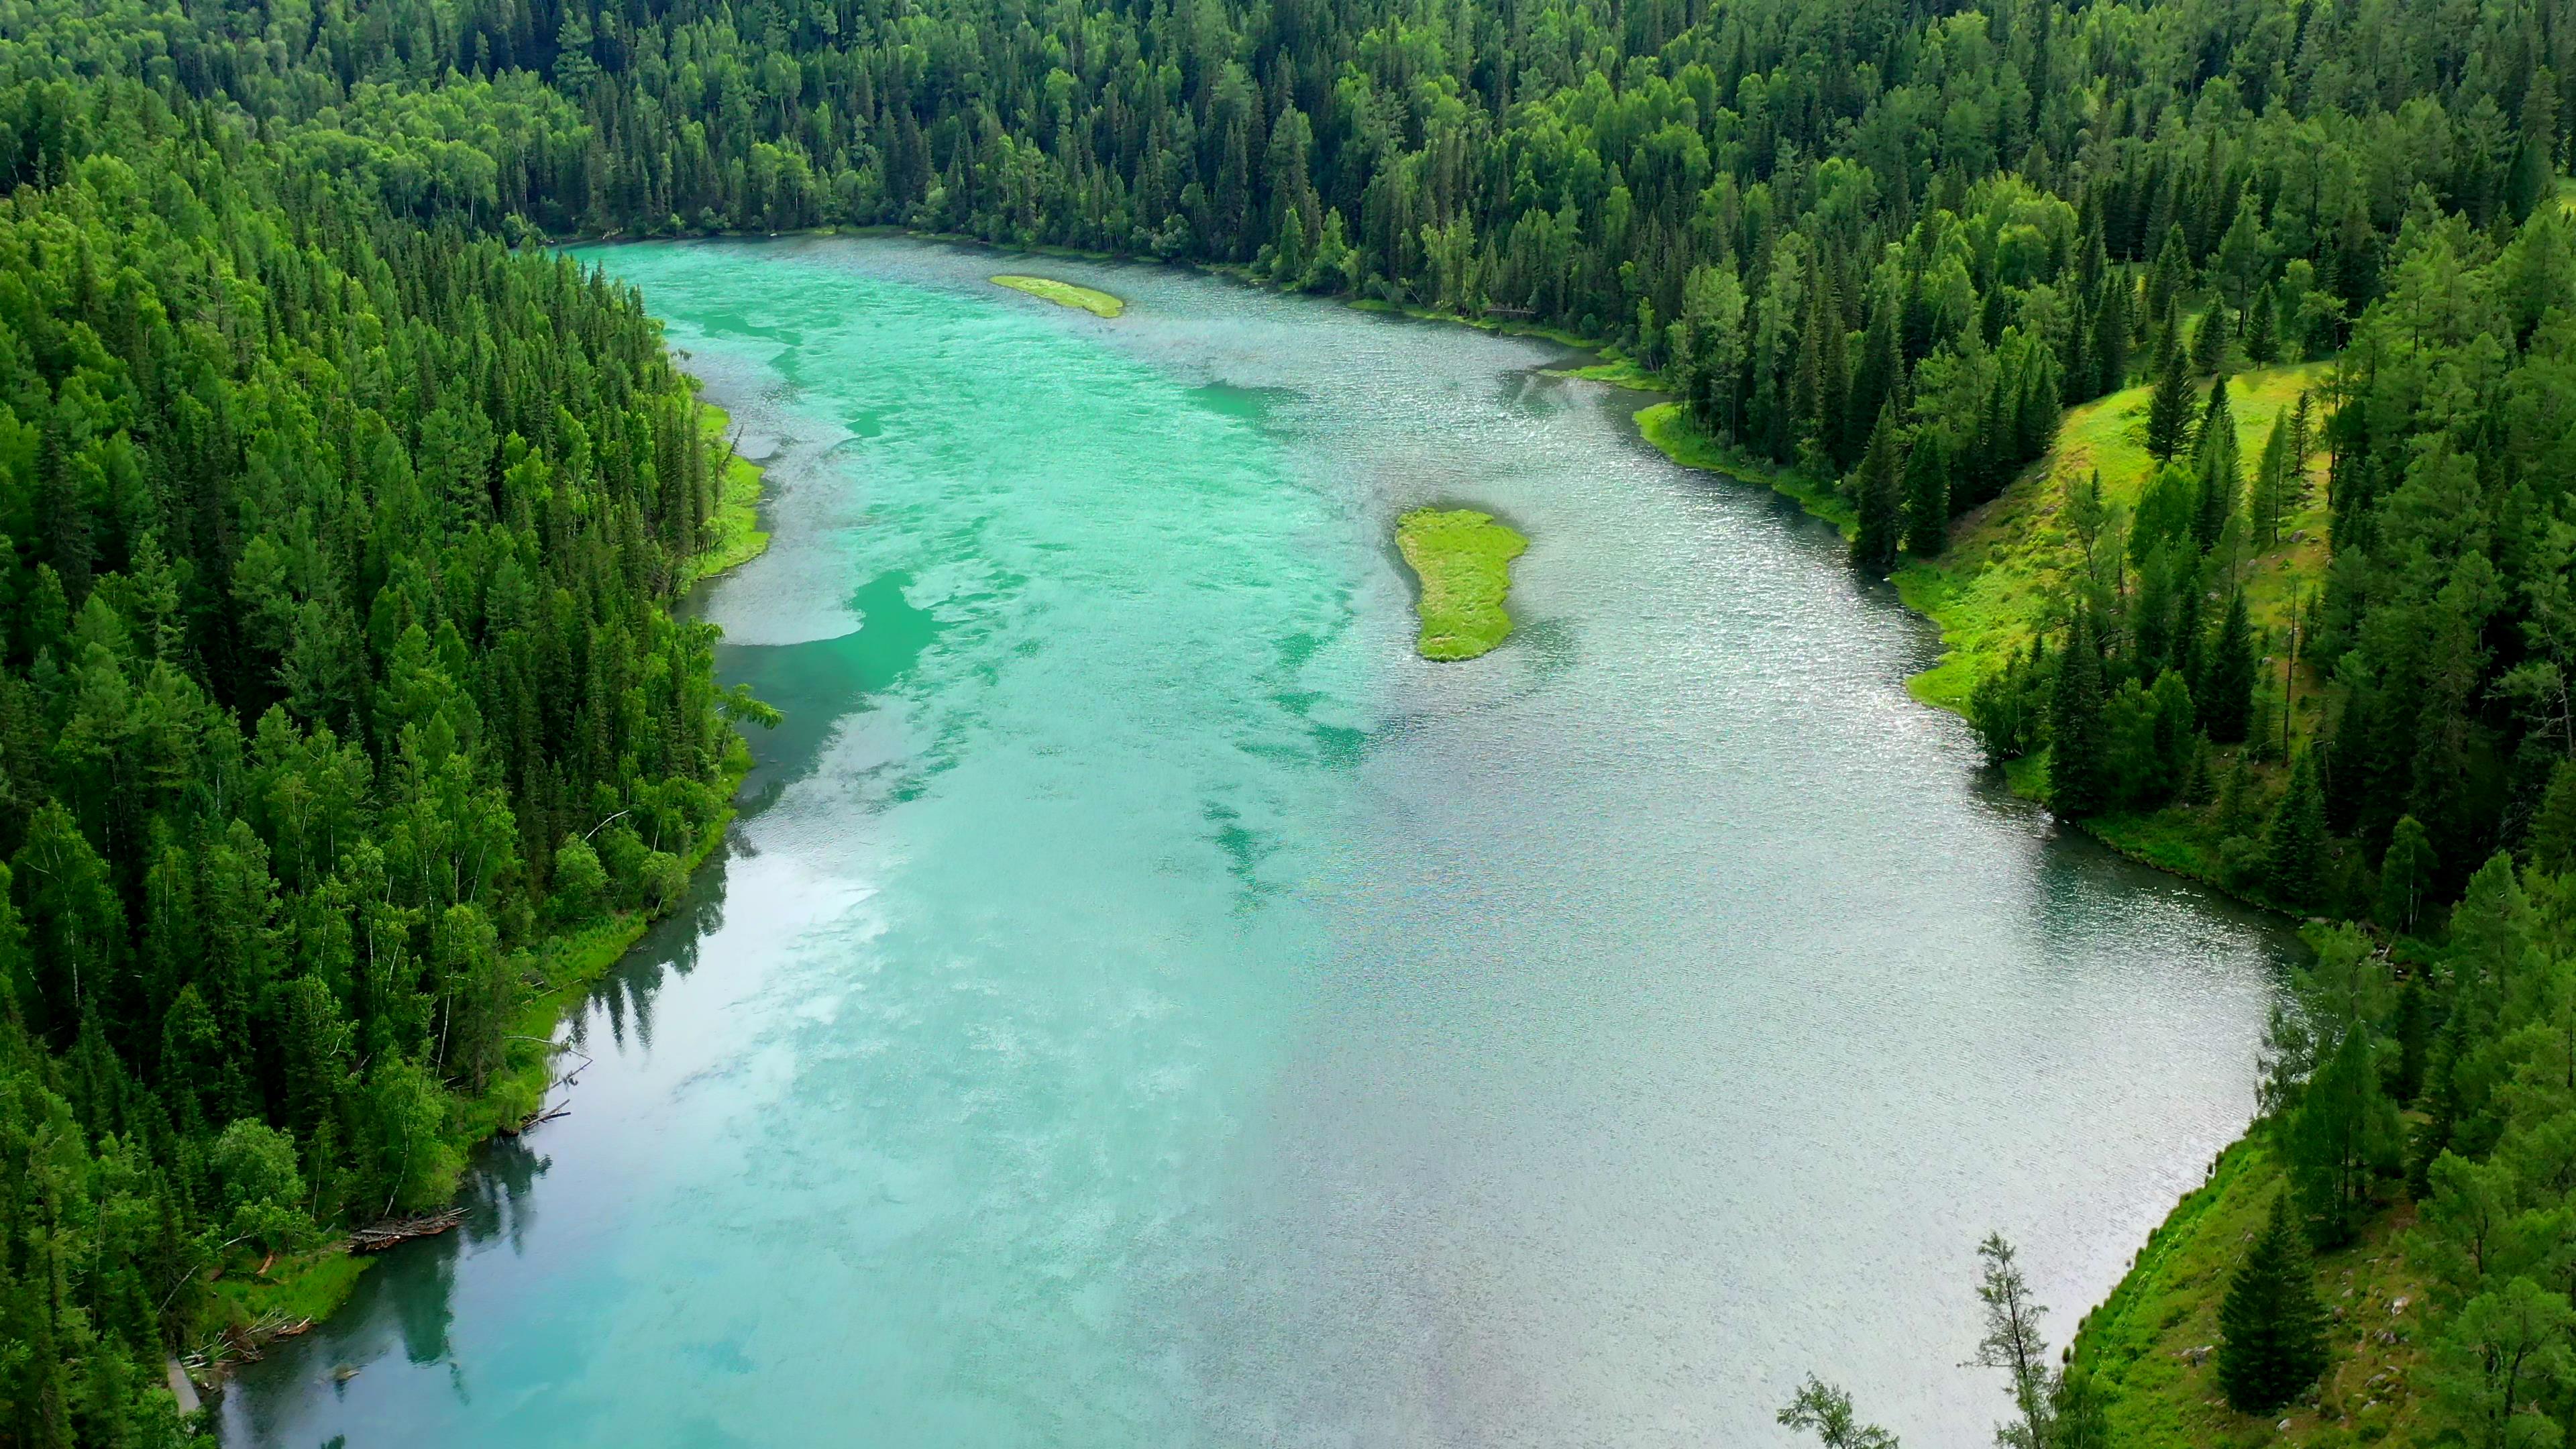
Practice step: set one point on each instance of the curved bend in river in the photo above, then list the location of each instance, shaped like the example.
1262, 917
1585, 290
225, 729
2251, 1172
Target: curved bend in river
1147, 1003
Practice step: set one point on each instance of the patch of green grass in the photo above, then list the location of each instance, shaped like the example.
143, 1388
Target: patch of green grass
2007, 565
2145, 1343
1616, 371
738, 538
1670, 429
1464, 559
303, 1285
1065, 294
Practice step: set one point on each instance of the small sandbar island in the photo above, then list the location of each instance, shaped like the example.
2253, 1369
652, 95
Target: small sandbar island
1464, 559
1065, 294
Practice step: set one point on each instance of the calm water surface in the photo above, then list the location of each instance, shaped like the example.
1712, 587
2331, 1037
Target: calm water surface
1143, 1005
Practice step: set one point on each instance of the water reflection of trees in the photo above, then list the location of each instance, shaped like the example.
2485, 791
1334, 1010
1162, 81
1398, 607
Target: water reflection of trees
406, 1301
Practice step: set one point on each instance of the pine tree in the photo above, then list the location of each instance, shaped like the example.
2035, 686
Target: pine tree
2214, 459
1827, 1412
2225, 695
2078, 770
1835, 425
2169, 411
2170, 276
1927, 496
2263, 329
2272, 1329
2266, 502
2294, 841
2553, 829
2209, 341
2534, 178
2405, 874
1878, 497
2108, 353
2014, 1344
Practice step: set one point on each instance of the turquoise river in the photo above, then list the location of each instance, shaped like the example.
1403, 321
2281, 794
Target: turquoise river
1142, 1004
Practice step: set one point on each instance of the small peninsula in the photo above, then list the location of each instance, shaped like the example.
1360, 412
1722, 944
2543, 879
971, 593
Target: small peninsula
1464, 560
1065, 294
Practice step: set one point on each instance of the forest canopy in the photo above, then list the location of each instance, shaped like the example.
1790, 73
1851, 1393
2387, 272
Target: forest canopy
339, 684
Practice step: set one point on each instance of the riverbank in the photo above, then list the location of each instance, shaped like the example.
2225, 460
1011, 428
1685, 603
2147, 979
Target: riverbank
738, 538
2152, 1341
1463, 559
295, 1291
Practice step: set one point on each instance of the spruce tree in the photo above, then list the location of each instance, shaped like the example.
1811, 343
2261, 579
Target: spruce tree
2553, 830
2170, 276
2405, 874
2209, 341
1878, 497
2225, 695
2214, 459
2294, 841
2108, 354
2078, 772
2534, 178
2267, 500
2272, 1329
1927, 496
2169, 411
2263, 329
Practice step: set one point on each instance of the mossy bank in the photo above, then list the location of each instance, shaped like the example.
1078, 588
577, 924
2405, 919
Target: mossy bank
1464, 561
1065, 294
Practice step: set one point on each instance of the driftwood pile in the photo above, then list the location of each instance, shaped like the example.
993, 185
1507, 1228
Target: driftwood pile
380, 1236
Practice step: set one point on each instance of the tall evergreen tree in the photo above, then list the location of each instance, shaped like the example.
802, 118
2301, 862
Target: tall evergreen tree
2214, 459
2209, 339
2169, 410
1927, 496
2272, 1339
2294, 841
2013, 1342
2225, 695
1878, 497
2078, 767
2405, 875
2263, 330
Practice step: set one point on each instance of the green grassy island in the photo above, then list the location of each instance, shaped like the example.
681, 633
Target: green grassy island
1464, 559
1065, 294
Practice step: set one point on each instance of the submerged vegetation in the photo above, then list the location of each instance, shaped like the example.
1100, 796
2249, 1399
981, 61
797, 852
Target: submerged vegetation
1464, 561
1065, 294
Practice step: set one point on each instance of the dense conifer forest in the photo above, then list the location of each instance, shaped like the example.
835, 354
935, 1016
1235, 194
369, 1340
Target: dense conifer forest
342, 524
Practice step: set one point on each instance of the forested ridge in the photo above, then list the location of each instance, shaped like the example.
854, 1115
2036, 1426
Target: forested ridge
338, 679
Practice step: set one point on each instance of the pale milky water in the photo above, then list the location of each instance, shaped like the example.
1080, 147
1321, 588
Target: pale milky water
1143, 1004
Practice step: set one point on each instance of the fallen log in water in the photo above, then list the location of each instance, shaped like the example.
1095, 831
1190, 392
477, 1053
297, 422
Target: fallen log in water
383, 1235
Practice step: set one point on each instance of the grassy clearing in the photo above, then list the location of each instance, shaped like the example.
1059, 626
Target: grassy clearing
1464, 559
2152, 1341
738, 539
1614, 370
2008, 562
305, 1285
1065, 294
1670, 429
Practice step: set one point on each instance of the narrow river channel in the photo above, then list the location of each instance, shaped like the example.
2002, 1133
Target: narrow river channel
1142, 1004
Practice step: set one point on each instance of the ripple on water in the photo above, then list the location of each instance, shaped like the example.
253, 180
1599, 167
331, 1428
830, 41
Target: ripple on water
1145, 1004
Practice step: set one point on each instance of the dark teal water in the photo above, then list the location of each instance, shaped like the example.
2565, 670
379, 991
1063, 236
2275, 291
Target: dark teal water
1143, 1004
